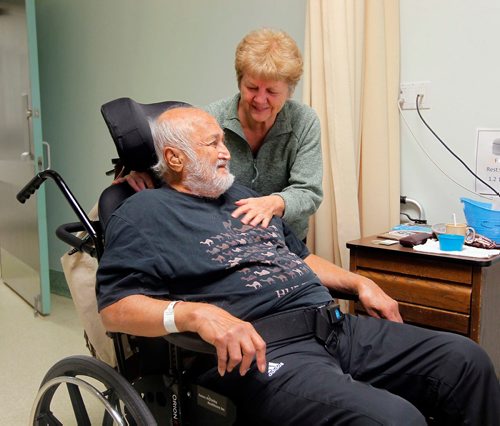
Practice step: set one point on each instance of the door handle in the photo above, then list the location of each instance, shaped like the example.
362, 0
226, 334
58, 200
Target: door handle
27, 113
40, 164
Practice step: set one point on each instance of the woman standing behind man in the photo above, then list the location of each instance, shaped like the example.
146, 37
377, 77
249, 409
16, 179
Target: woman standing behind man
274, 141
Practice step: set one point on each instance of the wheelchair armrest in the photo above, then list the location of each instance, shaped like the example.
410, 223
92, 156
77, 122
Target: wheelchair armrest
191, 342
65, 233
344, 296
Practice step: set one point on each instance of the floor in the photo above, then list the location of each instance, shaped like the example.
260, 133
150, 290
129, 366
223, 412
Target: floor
30, 344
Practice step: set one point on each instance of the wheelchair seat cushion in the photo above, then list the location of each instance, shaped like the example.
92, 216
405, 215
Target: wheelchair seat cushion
128, 123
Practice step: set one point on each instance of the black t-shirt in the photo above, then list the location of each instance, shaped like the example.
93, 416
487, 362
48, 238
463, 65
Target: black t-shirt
167, 244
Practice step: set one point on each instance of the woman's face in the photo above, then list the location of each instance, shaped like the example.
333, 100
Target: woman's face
262, 100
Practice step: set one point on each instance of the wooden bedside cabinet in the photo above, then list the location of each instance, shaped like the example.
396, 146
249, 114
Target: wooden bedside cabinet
442, 292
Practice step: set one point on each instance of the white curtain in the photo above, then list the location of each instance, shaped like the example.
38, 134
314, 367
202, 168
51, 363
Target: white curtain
351, 79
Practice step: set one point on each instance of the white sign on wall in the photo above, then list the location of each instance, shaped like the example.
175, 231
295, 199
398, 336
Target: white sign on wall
488, 160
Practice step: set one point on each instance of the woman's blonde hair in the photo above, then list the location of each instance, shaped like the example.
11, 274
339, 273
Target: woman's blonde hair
271, 55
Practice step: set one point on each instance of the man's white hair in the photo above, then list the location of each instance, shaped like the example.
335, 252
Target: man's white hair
173, 133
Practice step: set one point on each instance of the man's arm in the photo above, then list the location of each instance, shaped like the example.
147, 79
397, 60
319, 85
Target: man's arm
236, 341
377, 303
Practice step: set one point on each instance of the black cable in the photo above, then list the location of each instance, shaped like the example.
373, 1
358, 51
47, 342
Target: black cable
451, 152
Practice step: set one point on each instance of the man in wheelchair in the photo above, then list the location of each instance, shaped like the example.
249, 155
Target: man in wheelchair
176, 259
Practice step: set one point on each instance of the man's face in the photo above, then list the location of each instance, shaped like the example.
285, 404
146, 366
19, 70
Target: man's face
262, 100
209, 144
208, 175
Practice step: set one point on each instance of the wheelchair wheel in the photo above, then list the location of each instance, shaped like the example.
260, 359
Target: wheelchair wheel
107, 398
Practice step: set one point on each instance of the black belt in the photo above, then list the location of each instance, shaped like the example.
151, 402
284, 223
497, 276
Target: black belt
303, 322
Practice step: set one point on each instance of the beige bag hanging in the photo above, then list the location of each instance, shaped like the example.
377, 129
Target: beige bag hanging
80, 272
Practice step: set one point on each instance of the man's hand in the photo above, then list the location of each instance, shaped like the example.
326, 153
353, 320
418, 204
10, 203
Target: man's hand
259, 210
236, 341
376, 302
137, 180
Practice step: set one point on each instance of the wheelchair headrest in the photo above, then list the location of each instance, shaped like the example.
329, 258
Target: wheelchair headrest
128, 124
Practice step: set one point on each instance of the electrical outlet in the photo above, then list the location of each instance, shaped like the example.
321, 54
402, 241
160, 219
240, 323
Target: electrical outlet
408, 95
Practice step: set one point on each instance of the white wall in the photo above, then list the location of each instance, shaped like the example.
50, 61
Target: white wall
455, 45
97, 50
94, 51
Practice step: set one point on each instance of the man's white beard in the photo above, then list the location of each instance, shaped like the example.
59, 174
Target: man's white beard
205, 181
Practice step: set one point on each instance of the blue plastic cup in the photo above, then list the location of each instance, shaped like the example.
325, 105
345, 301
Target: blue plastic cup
451, 242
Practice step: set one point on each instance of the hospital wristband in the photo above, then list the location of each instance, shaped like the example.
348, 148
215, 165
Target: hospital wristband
169, 319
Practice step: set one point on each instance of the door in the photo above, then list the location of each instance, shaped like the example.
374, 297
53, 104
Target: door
23, 227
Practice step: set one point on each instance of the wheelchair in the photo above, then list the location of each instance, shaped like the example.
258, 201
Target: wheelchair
154, 382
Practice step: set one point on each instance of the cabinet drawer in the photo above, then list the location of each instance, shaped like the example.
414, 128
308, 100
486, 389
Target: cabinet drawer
430, 317
423, 291
404, 264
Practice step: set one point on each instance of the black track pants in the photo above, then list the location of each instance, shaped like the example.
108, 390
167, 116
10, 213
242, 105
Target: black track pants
375, 372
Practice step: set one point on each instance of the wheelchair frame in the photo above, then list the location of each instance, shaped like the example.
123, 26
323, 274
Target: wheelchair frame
132, 394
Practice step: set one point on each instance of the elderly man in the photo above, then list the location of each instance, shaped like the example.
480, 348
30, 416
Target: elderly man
177, 259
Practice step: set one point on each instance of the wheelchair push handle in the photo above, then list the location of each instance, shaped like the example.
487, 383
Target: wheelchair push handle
32, 186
